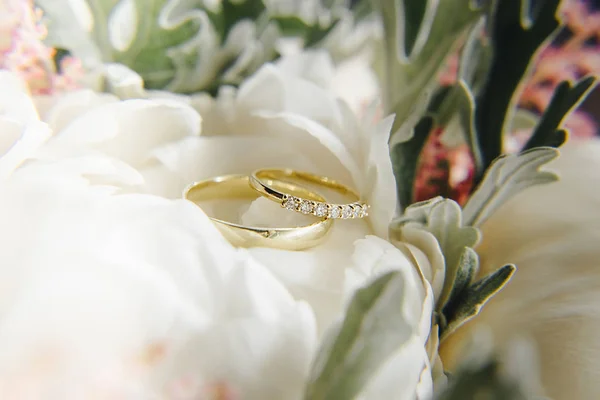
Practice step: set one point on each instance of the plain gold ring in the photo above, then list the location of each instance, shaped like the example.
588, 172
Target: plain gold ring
237, 186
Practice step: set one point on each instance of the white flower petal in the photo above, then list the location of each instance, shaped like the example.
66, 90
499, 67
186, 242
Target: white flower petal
128, 130
15, 102
271, 90
313, 65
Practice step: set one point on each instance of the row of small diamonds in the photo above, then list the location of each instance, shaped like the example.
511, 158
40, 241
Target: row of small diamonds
325, 210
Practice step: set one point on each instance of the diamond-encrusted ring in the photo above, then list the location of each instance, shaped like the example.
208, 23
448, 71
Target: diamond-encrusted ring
237, 186
264, 181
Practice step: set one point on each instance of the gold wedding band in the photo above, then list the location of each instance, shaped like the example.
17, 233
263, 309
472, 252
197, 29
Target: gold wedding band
237, 186
264, 181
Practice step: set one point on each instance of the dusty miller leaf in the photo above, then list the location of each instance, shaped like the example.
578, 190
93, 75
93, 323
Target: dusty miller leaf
417, 212
459, 299
407, 160
442, 218
471, 300
523, 120
185, 46
419, 35
445, 223
518, 28
485, 381
475, 57
466, 270
507, 176
373, 328
159, 30
457, 114
565, 98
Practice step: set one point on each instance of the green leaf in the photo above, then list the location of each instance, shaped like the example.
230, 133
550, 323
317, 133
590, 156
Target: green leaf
485, 381
507, 176
459, 299
417, 212
405, 159
518, 29
374, 327
445, 223
234, 11
443, 219
147, 54
361, 9
475, 58
466, 113
291, 25
566, 97
467, 268
457, 115
470, 302
414, 12
316, 34
415, 54
523, 120
188, 46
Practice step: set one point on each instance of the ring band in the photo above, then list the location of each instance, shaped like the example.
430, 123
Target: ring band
237, 186
264, 181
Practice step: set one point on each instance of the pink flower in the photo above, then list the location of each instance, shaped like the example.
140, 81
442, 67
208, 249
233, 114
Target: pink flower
444, 171
23, 52
581, 125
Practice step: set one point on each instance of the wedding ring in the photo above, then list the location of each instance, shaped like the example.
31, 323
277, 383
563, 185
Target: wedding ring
237, 186
264, 182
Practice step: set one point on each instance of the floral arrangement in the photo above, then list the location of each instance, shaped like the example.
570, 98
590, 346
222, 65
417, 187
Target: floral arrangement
435, 237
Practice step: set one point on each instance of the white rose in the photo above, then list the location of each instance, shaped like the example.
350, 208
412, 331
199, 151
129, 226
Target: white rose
551, 233
275, 119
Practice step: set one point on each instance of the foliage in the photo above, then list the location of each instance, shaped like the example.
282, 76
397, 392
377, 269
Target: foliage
499, 40
461, 296
373, 328
190, 46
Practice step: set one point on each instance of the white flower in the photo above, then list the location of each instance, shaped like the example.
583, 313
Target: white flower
277, 118
22, 133
551, 233
129, 295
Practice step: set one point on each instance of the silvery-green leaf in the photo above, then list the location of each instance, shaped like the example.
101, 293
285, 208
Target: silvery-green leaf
405, 160
443, 219
565, 98
453, 135
187, 46
470, 301
517, 29
417, 212
419, 35
445, 223
524, 119
457, 114
475, 57
506, 372
468, 265
483, 381
373, 328
507, 176
137, 33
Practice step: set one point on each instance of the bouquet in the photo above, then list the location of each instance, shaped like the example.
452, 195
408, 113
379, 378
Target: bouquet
299, 199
